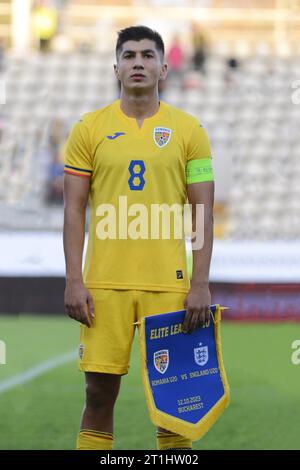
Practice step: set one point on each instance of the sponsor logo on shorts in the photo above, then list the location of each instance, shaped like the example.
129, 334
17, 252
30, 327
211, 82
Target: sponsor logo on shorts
81, 351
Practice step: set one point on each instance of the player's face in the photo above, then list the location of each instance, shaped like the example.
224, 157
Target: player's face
140, 65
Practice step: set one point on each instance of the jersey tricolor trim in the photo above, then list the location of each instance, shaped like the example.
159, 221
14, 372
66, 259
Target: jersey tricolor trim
72, 170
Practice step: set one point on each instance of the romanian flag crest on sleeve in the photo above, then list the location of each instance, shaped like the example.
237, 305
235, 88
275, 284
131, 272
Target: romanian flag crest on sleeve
183, 374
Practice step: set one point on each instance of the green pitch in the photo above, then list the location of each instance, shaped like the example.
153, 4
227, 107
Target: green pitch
44, 411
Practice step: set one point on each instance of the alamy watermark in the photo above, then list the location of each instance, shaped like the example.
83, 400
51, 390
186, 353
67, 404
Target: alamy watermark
296, 94
295, 358
2, 92
154, 221
2, 353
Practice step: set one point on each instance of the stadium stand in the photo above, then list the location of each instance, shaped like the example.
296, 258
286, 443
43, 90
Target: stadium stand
248, 112
246, 98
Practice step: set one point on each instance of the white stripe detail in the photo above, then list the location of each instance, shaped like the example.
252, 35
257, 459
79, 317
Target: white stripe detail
36, 371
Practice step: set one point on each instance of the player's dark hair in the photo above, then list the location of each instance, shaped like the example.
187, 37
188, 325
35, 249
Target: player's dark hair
137, 33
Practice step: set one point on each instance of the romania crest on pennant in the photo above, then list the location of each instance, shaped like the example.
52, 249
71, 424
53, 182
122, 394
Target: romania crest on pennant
161, 360
161, 136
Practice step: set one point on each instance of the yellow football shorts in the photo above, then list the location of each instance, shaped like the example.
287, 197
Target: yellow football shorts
106, 346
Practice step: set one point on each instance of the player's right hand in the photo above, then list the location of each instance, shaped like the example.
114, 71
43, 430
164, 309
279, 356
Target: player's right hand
79, 303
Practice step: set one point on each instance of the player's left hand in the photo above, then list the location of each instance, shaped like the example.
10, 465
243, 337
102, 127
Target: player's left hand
197, 304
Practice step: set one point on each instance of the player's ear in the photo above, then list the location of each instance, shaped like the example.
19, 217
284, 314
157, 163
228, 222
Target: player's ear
116, 71
163, 72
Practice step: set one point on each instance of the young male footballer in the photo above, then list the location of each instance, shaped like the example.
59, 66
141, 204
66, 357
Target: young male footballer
126, 158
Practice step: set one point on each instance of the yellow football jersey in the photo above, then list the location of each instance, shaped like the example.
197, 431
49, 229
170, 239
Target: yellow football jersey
134, 172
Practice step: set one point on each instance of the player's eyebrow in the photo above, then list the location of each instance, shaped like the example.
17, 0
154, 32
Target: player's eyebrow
144, 51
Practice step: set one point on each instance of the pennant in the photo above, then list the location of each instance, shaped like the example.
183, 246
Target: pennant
183, 374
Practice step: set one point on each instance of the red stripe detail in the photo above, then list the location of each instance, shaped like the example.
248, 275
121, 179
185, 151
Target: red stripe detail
76, 174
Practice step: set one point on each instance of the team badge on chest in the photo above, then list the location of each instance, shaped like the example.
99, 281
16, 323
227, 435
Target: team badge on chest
161, 136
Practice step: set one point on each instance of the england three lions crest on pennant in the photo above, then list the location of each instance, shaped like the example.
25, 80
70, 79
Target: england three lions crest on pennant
201, 355
162, 136
161, 360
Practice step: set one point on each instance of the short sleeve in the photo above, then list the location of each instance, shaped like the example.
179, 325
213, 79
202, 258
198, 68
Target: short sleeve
199, 161
198, 145
78, 155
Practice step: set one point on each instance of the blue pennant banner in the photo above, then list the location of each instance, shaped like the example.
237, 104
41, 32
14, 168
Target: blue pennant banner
183, 374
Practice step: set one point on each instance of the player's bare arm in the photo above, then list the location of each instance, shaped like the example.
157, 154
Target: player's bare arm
198, 300
78, 300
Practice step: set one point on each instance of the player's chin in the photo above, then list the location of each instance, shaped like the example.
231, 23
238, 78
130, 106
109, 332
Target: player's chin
139, 88
138, 84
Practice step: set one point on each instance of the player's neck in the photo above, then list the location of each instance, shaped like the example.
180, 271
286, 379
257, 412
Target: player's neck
139, 106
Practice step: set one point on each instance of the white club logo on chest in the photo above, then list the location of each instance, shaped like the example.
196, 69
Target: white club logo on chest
161, 136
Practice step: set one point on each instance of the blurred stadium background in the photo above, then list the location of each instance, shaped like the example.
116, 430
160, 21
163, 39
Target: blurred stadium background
236, 66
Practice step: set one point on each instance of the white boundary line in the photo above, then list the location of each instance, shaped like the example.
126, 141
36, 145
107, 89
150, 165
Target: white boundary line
36, 371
